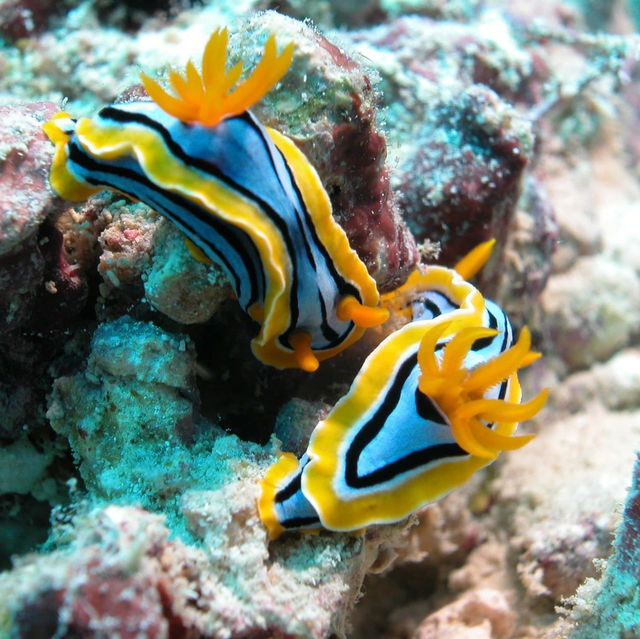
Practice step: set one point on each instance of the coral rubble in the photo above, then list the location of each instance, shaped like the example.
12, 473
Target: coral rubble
135, 425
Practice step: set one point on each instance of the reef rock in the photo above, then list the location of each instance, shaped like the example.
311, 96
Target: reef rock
558, 524
25, 202
462, 187
592, 310
128, 406
26, 154
117, 574
182, 288
23, 18
461, 147
132, 422
479, 614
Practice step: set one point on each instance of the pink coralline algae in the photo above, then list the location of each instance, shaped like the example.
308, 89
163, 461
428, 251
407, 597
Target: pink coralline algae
479, 614
463, 147
110, 588
364, 202
165, 421
36, 273
26, 154
121, 577
126, 246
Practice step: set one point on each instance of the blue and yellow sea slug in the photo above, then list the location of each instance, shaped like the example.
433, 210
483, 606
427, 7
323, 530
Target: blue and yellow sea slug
436, 401
244, 195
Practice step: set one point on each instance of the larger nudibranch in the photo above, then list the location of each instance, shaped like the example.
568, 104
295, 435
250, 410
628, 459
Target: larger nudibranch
243, 194
436, 401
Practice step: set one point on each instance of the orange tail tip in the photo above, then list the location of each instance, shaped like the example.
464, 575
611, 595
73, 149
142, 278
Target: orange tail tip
349, 309
208, 98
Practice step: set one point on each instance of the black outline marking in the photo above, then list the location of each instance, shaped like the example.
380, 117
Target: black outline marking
375, 424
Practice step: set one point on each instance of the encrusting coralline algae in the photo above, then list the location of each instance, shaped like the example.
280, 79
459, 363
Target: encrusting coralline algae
122, 361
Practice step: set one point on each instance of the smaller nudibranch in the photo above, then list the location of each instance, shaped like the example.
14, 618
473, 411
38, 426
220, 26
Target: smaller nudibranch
436, 401
244, 195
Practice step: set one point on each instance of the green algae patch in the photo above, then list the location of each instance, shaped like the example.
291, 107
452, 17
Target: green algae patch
132, 423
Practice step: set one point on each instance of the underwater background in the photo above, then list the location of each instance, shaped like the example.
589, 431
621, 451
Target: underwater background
136, 423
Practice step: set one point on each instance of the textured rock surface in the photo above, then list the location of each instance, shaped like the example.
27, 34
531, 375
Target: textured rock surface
185, 290
611, 608
462, 181
126, 245
461, 87
557, 522
479, 614
25, 202
127, 409
25, 153
120, 576
461, 148
24, 18
592, 310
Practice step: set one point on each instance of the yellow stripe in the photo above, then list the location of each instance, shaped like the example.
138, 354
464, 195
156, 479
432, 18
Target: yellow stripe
330, 234
276, 478
63, 182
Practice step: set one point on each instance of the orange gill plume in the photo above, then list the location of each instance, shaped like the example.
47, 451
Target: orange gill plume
209, 97
460, 392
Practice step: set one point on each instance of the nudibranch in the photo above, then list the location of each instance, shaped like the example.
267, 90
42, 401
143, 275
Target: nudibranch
244, 195
436, 401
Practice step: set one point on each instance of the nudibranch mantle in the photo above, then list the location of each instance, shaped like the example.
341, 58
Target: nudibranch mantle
436, 401
244, 195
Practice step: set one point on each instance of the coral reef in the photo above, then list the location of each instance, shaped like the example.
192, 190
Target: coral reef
121, 576
478, 614
136, 424
23, 18
463, 147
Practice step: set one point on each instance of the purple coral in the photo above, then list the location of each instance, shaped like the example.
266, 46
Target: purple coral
461, 181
